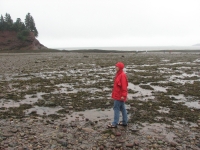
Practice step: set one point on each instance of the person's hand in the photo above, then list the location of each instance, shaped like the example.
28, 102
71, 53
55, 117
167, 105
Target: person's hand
122, 98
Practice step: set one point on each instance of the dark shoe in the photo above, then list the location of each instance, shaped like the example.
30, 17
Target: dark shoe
121, 124
111, 126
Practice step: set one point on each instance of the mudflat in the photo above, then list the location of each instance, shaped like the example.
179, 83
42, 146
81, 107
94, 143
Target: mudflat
62, 100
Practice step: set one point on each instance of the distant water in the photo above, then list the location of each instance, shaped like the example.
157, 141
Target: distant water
141, 48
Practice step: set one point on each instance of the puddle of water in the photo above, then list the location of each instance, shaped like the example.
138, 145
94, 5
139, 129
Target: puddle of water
154, 129
180, 78
65, 88
159, 88
42, 110
191, 104
142, 94
197, 60
93, 115
29, 99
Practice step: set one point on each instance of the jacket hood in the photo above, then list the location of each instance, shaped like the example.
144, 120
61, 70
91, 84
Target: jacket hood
120, 65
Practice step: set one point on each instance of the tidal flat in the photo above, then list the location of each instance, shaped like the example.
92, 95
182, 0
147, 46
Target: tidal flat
62, 100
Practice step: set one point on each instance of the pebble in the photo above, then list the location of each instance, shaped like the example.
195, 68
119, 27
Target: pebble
118, 145
160, 142
117, 134
129, 145
136, 143
198, 144
173, 144
112, 136
88, 130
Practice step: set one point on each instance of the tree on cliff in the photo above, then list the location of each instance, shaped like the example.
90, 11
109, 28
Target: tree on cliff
7, 24
30, 24
2, 23
19, 25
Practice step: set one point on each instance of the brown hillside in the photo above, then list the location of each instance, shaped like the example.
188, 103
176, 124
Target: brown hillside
9, 41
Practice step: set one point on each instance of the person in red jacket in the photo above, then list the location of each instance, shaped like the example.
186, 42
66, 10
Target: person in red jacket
119, 95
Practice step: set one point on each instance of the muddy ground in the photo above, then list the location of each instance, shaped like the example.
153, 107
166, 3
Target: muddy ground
62, 101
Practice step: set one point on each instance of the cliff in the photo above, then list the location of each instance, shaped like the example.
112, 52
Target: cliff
10, 41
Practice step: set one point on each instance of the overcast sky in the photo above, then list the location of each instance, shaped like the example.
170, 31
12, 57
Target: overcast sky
94, 23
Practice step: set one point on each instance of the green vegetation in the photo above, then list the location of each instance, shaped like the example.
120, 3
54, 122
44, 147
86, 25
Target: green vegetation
22, 29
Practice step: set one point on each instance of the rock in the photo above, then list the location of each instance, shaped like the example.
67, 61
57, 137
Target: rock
160, 142
117, 134
60, 135
136, 143
73, 124
88, 130
13, 144
64, 129
130, 145
101, 147
112, 136
70, 107
7, 134
62, 142
198, 145
108, 103
83, 146
118, 145
155, 146
173, 144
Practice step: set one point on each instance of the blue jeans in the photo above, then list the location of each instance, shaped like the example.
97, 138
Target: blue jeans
119, 106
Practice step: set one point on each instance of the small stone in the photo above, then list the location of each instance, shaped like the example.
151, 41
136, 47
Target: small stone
88, 130
122, 141
112, 136
64, 130
73, 124
7, 135
136, 143
155, 146
198, 144
70, 107
62, 142
129, 145
60, 135
160, 142
118, 145
117, 134
173, 144
101, 147
14, 130
80, 114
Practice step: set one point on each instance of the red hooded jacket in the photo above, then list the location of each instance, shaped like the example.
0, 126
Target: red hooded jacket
120, 84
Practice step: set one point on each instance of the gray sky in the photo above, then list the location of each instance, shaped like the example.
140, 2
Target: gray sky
94, 23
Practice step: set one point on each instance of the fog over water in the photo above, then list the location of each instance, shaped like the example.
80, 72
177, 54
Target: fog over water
139, 48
